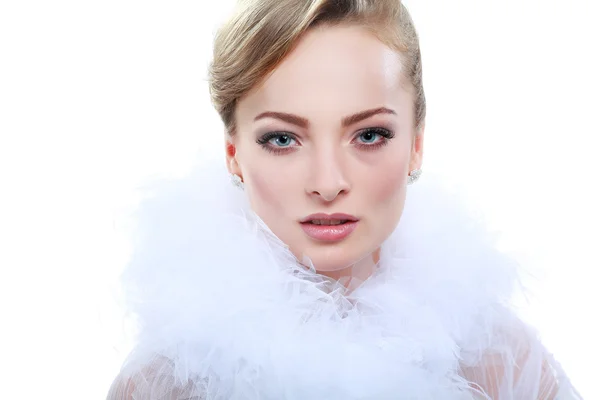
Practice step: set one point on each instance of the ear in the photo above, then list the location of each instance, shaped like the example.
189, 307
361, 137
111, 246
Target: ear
231, 157
416, 156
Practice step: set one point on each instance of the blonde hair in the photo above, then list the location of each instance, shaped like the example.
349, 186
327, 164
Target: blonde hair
261, 33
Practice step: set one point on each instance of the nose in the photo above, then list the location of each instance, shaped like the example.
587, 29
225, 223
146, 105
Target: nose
328, 176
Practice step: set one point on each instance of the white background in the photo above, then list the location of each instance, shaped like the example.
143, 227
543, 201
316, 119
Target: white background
97, 96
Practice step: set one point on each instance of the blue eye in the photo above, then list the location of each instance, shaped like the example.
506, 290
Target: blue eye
373, 138
369, 137
278, 142
281, 140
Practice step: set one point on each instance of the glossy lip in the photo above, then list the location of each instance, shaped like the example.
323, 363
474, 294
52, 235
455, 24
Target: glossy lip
348, 217
329, 233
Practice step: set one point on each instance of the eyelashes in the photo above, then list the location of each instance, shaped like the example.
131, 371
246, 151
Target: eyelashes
368, 139
373, 138
277, 142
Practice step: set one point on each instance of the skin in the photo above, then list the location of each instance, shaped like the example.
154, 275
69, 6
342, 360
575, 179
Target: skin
323, 164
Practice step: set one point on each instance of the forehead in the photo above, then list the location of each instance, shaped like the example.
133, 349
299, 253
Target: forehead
340, 70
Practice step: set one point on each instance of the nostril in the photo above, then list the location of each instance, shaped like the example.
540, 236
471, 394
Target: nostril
329, 195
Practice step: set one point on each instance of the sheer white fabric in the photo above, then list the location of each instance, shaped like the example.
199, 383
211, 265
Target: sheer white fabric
519, 367
523, 370
491, 380
154, 382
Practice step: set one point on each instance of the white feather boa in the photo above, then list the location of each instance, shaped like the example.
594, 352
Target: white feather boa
225, 311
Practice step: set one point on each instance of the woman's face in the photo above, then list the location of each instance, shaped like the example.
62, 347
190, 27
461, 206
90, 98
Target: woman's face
325, 145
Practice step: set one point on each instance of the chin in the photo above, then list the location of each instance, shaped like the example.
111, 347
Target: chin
331, 258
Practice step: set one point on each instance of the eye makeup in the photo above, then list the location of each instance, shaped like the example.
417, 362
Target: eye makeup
278, 142
368, 139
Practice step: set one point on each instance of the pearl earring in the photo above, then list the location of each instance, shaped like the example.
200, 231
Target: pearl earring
414, 175
236, 181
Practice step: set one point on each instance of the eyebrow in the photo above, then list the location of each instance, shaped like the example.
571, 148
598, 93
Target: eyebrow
354, 118
303, 122
285, 117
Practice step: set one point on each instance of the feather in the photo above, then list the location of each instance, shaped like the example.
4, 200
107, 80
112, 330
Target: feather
224, 310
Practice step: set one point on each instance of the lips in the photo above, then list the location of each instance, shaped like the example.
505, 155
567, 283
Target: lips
329, 217
327, 221
329, 227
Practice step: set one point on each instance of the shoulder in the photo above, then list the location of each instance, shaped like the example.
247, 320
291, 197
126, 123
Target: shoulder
515, 364
155, 381
122, 388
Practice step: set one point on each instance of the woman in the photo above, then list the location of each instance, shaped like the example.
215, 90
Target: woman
318, 275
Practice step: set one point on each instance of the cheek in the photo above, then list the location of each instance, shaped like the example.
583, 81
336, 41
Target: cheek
387, 196
269, 191
389, 183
